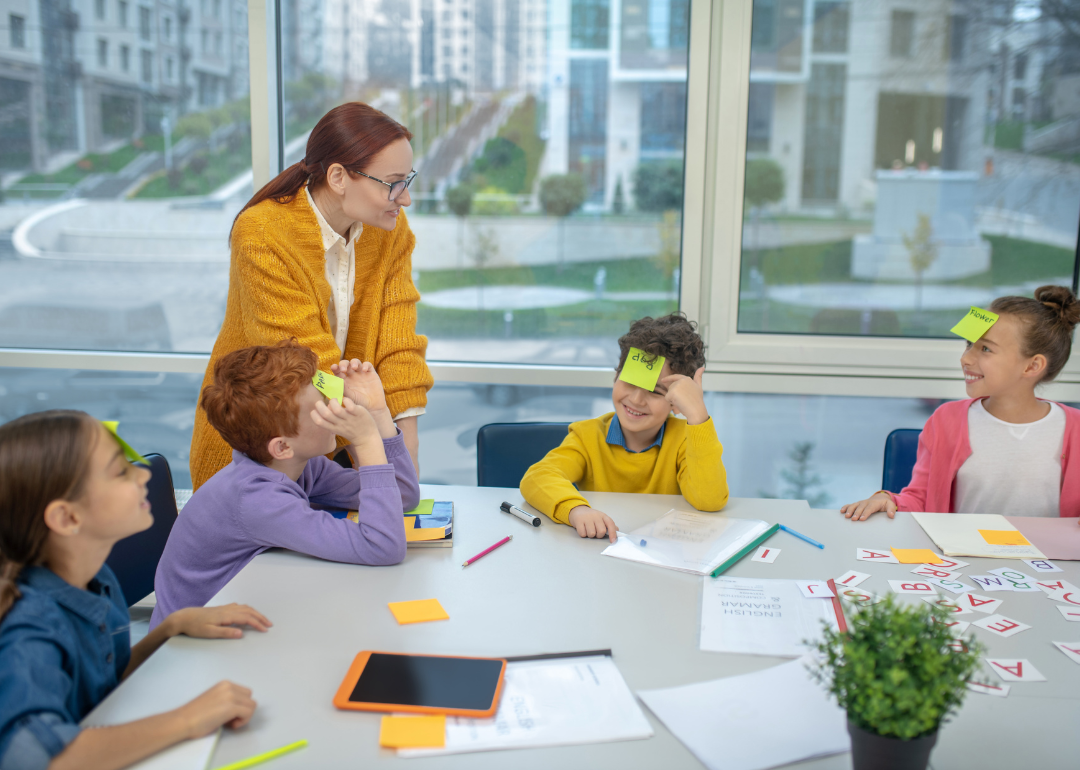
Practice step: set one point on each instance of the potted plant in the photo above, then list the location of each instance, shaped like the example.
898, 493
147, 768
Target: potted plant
900, 674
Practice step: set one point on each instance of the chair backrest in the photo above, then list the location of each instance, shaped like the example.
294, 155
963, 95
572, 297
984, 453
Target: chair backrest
135, 559
901, 447
505, 450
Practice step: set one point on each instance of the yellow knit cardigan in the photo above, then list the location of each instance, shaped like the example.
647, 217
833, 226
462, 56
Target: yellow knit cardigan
278, 289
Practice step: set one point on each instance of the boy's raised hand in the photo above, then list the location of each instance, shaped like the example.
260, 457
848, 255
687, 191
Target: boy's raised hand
590, 522
356, 425
362, 383
686, 396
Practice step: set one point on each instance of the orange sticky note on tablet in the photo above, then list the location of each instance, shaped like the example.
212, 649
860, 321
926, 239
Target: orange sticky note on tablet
428, 732
430, 533
420, 611
1003, 537
915, 556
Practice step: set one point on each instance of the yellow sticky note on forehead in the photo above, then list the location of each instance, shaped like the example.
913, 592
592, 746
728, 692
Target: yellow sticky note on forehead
641, 369
129, 451
975, 323
1003, 537
330, 386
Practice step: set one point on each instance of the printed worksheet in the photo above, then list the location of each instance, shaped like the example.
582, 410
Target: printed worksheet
557, 702
761, 617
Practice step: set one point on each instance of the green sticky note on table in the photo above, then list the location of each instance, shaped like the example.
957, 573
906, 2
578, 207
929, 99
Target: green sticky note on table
129, 451
424, 509
641, 369
330, 386
975, 324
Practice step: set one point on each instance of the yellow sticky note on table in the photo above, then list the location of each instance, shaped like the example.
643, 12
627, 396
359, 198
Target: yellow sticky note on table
974, 324
410, 523
429, 533
428, 732
1003, 537
641, 369
330, 386
420, 611
129, 451
424, 509
915, 556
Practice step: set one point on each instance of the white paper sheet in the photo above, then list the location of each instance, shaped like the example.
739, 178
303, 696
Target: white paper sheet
753, 721
957, 534
688, 542
558, 702
186, 755
756, 616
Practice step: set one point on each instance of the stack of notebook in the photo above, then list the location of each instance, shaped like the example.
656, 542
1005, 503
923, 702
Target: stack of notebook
428, 525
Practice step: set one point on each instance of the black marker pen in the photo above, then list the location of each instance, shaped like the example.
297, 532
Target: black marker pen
513, 510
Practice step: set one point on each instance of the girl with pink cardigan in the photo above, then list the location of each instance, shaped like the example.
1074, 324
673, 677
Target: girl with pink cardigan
1002, 450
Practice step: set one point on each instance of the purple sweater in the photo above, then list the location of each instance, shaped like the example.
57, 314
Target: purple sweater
246, 508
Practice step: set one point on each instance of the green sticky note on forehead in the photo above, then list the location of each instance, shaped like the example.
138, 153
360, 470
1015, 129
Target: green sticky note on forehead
330, 386
129, 452
641, 369
975, 323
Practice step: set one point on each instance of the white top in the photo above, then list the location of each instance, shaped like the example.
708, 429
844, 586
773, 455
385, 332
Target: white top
1014, 469
341, 275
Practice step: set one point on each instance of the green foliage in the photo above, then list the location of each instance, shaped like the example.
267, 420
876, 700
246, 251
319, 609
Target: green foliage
1009, 135
618, 203
510, 160
801, 479
497, 208
459, 199
897, 672
920, 245
562, 194
197, 125
658, 186
669, 257
764, 182
310, 97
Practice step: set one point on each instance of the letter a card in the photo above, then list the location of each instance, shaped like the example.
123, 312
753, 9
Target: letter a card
999, 625
1015, 670
983, 604
882, 556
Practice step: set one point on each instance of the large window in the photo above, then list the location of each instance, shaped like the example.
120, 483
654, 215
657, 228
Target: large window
124, 155
902, 178
549, 141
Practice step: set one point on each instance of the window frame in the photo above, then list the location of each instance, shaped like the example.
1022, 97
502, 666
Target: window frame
718, 85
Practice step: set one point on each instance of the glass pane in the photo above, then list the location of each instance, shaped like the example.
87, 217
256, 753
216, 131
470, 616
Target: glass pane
549, 141
125, 153
904, 163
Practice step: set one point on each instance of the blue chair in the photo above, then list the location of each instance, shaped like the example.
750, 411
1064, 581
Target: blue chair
505, 450
901, 447
135, 559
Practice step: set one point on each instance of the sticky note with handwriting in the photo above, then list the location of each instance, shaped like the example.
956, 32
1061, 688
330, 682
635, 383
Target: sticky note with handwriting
129, 451
426, 732
1003, 537
641, 369
330, 386
974, 324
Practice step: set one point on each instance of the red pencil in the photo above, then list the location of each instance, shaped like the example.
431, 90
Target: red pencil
838, 608
486, 551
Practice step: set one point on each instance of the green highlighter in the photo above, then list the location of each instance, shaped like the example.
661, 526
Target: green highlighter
756, 542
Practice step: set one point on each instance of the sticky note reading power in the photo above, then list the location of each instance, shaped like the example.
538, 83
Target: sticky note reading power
129, 452
974, 324
1003, 537
641, 369
330, 386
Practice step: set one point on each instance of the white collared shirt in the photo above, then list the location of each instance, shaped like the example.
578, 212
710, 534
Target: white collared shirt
341, 275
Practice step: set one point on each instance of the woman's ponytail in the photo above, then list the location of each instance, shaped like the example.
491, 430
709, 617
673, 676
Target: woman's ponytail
43, 457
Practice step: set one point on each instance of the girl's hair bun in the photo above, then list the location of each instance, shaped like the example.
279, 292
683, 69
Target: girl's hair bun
1061, 301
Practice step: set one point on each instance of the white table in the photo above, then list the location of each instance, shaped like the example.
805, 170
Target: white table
550, 591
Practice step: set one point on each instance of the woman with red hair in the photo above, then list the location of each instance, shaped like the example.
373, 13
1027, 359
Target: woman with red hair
323, 253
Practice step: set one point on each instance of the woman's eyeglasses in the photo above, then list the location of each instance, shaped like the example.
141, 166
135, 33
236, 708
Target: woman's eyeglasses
396, 188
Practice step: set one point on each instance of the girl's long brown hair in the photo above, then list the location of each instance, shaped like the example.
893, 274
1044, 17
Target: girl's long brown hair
351, 134
43, 457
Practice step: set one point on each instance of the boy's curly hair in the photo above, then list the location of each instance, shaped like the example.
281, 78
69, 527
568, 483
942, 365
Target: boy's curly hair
672, 336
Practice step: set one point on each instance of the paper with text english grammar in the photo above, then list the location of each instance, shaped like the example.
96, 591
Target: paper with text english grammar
756, 616
688, 542
957, 534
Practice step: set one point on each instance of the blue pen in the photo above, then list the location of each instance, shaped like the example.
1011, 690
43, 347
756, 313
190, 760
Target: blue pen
801, 536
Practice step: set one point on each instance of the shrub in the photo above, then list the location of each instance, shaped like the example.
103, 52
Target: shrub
764, 182
459, 199
658, 186
562, 194
505, 207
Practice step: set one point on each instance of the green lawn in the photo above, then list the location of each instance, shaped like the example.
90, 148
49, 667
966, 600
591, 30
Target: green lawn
588, 319
622, 275
94, 163
220, 167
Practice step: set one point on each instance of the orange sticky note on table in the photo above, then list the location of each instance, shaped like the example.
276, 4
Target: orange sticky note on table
430, 533
1003, 537
428, 732
915, 556
420, 611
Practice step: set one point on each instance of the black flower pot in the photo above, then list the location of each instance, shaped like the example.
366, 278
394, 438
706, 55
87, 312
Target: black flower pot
870, 751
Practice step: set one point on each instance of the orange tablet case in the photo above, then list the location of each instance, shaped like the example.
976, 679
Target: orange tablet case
341, 698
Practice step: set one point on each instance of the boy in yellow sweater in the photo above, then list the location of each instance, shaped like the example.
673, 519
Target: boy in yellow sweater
641, 446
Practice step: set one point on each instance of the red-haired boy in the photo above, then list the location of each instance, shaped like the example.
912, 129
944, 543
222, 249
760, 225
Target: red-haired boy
263, 403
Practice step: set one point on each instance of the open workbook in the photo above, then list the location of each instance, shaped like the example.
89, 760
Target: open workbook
688, 542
